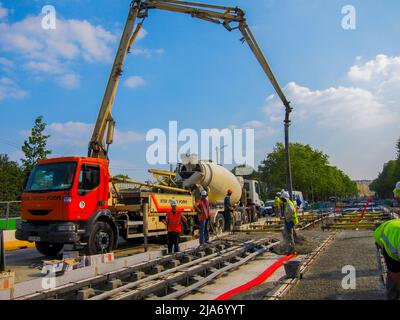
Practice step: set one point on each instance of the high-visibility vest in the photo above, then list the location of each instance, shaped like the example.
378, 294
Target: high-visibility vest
278, 202
174, 222
396, 192
294, 217
387, 236
202, 207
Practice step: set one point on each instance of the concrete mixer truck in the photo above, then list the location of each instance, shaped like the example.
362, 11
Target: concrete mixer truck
195, 175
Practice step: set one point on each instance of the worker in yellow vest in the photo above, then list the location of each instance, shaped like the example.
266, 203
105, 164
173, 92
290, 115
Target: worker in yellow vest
291, 220
278, 205
387, 237
396, 193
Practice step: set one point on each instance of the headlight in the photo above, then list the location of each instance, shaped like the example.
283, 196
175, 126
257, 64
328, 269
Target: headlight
67, 227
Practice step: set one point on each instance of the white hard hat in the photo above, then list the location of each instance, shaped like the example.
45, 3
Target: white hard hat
204, 193
398, 185
278, 193
173, 202
285, 195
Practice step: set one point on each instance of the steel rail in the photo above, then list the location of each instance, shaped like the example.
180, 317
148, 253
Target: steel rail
177, 274
128, 286
123, 272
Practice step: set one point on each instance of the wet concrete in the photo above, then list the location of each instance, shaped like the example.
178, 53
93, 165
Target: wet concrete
323, 280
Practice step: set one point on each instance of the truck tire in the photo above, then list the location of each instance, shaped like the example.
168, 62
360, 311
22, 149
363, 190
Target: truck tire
101, 239
48, 248
219, 223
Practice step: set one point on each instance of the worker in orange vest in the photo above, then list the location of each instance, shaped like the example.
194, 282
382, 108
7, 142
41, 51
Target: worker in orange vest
174, 221
203, 210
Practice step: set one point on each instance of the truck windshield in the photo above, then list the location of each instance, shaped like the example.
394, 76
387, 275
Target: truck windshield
51, 177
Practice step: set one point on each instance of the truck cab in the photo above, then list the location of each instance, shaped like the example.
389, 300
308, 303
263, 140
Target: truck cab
252, 189
61, 197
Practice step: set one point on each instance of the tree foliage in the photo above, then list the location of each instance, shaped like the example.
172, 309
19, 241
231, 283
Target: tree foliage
311, 173
384, 184
11, 179
35, 147
398, 149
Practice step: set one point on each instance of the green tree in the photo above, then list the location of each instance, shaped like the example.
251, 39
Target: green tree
35, 147
11, 179
398, 149
311, 173
384, 184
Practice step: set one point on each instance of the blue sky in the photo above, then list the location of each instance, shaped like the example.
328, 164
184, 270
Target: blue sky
343, 84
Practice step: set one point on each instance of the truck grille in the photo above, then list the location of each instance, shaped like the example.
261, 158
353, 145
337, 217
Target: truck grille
39, 212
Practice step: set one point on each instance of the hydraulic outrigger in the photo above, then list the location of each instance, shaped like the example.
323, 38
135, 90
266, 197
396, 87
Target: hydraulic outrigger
231, 18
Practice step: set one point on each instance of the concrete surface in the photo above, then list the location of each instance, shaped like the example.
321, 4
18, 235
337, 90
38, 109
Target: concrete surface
323, 280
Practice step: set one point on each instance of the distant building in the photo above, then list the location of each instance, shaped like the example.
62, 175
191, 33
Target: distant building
363, 188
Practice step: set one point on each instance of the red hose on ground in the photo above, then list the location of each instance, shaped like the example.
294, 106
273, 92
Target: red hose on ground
256, 281
363, 210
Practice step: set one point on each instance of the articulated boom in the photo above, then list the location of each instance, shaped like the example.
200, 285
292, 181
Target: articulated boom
231, 18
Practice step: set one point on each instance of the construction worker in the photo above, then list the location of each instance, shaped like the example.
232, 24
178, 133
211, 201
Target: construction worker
387, 237
203, 209
396, 192
228, 210
278, 205
291, 220
174, 221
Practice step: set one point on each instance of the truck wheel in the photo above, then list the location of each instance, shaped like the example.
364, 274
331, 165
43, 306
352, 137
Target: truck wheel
219, 224
101, 239
49, 248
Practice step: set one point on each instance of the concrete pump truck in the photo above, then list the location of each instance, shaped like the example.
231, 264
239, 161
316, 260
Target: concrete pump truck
75, 200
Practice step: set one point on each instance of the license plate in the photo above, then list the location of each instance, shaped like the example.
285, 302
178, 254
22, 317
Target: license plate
34, 239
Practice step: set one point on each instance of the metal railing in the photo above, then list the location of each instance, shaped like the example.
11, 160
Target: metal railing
8, 211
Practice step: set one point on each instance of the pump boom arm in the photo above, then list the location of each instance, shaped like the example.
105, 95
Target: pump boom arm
230, 17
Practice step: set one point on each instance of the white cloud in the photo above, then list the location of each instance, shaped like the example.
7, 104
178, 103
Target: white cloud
357, 125
77, 134
53, 52
340, 107
6, 62
69, 81
382, 67
3, 11
9, 89
134, 82
73, 39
